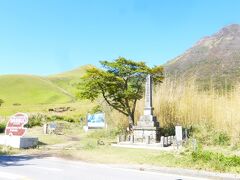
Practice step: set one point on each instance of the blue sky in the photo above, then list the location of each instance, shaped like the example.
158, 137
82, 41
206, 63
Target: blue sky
50, 36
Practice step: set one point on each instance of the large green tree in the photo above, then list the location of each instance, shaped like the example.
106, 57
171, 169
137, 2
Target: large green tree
120, 83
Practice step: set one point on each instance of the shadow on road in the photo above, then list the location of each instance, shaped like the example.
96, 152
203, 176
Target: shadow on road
19, 160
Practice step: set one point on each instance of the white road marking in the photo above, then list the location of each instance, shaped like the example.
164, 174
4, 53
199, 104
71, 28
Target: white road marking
11, 176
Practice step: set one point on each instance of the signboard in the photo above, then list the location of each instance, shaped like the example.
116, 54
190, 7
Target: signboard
15, 125
96, 120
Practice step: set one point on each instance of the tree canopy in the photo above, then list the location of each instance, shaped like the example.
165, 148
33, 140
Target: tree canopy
120, 83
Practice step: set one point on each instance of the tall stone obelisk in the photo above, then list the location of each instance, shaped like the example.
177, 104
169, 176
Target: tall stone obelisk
148, 124
148, 110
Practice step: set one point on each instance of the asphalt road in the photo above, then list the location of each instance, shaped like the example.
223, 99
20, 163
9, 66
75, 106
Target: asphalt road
44, 168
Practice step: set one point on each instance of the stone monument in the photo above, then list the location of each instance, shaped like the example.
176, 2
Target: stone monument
147, 129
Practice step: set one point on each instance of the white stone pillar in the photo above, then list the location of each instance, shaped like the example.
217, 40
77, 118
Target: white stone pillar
148, 110
179, 133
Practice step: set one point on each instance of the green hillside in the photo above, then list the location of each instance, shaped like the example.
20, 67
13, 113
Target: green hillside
69, 79
27, 89
28, 93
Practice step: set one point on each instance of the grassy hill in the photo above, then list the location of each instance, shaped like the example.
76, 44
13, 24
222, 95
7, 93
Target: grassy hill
69, 79
28, 89
29, 93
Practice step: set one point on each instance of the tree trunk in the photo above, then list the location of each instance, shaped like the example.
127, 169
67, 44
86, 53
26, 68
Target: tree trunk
131, 121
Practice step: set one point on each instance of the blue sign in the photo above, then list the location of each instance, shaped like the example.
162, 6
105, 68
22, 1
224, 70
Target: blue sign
96, 120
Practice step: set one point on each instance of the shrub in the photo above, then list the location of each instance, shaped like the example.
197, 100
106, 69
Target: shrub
16, 104
69, 119
216, 160
90, 145
54, 118
36, 120
62, 118
2, 127
1, 102
221, 139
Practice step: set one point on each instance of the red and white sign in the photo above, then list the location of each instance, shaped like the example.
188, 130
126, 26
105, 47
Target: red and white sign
15, 126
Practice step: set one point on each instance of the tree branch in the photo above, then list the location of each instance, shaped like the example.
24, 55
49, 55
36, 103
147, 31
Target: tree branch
109, 103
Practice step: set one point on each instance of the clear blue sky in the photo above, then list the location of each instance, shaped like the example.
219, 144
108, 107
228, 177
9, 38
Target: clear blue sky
49, 36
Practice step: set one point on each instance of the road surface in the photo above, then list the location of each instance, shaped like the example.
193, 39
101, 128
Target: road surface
43, 168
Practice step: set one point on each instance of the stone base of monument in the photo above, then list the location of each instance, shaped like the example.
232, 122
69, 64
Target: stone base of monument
19, 142
147, 129
166, 143
153, 146
146, 134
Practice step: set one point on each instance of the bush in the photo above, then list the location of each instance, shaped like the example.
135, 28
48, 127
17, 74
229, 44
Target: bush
90, 145
2, 127
221, 139
36, 120
69, 119
62, 118
207, 135
40, 119
16, 104
216, 160
168, 130
54, 118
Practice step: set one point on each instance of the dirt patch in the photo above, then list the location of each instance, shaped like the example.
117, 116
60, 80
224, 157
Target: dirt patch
73, 138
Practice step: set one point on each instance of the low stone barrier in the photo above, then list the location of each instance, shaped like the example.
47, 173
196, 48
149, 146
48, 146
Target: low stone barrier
165, 141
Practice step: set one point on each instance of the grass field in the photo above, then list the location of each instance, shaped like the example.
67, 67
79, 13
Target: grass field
78, 145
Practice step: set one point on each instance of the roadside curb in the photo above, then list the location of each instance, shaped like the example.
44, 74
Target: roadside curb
182, 172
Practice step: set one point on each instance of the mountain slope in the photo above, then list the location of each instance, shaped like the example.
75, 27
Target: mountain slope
214, 58
69, 79
27, 89
31, 90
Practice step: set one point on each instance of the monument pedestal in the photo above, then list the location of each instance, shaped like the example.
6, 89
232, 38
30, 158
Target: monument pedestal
18, 142
147, 127
141, 134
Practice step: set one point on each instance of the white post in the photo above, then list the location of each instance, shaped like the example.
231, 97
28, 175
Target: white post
178, 132
45, 128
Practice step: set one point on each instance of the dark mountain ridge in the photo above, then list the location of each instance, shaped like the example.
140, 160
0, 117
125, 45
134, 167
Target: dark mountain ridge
214, 59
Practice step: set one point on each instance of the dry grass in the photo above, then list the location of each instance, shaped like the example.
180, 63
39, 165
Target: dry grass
182, 103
